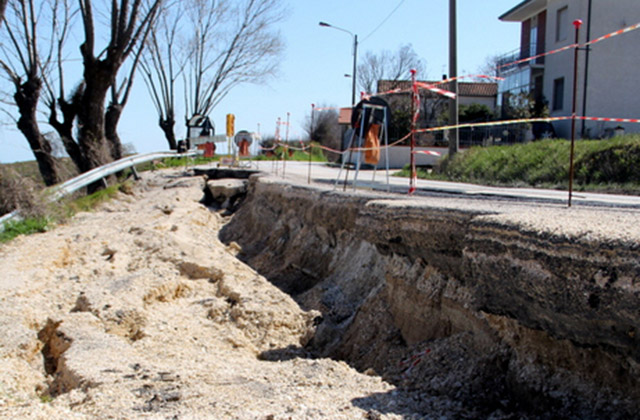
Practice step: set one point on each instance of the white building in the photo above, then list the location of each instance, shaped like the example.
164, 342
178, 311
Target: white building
607, 82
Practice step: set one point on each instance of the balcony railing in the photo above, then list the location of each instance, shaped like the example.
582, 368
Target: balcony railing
516, 55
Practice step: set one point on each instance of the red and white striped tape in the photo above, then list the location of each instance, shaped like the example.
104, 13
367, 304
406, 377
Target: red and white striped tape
535, 57
449, 127
435, 89
526, 120
468, 76
426, 152
492, 123
568, 47
612, 34
620, 120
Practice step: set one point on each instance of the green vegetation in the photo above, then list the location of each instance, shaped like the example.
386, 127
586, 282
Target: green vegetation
46, 398
90, 202
23, 227
176, 162
611, 165
317, 154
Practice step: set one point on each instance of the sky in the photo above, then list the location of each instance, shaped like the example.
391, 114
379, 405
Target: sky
316, 59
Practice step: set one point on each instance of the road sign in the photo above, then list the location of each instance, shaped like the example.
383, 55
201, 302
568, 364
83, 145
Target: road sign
231, 119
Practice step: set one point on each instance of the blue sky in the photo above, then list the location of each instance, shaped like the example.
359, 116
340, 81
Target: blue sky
316, 59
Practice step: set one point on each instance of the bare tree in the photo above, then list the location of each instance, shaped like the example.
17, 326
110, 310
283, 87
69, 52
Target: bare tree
119, 97
388, 65
22, 62
322, 127
233, 43
162, 64
55, 100
3, 5
129, 23
490, 68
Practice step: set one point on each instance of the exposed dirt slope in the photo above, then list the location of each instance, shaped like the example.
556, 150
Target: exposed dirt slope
506, 310
138, 311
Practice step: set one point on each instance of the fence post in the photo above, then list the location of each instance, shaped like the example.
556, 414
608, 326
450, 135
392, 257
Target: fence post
577, 23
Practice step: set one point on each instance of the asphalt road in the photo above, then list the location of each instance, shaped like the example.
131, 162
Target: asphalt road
377, 180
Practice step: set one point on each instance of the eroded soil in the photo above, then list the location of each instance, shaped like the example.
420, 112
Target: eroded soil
138, 311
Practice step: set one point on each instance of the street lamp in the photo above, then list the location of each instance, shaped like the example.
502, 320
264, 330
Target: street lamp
355, 57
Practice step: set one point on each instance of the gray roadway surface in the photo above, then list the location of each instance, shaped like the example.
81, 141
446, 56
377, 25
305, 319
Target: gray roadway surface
327, 175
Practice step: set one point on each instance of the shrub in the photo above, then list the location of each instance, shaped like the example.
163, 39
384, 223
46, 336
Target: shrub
20, 193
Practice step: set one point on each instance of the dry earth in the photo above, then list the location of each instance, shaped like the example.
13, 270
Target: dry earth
137, 310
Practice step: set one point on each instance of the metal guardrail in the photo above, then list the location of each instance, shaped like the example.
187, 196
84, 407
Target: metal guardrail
8, 217
56, 192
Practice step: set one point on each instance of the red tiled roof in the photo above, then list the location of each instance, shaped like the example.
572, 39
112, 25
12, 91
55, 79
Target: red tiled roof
467, 89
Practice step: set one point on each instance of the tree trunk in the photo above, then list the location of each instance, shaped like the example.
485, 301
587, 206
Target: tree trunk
111, 118
91, 116
65, 131
166, 125
26, 98
3, 5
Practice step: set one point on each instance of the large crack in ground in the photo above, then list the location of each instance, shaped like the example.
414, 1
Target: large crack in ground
388, 310
137, 310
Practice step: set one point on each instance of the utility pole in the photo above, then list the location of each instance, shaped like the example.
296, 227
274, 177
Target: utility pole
453, 73
355, 66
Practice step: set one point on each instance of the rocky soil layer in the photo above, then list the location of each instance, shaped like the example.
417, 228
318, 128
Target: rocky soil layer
138, 311
472, 308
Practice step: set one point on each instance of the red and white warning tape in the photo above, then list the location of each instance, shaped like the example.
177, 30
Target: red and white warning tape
526, 120
435, 89
413, 361
491, 123
535, 57
568, 47
468, 76
612, 34
426, 152
620, 120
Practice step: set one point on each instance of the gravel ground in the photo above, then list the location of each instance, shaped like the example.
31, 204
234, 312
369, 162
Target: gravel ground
136, 310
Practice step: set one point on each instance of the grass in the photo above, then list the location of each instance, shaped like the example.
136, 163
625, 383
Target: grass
90, 202
175, 163
611, 165
27, 226
278, 154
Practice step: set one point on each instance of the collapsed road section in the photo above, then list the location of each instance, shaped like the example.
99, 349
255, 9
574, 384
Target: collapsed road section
509, 310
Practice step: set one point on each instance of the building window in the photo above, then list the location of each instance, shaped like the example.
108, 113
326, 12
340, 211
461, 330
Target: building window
558, 94
533, 36
562, 24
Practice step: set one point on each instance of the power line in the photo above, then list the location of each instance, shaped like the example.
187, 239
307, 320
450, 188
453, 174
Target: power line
383, 21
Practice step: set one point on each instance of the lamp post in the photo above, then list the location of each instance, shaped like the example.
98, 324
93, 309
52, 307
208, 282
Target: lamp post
355, 57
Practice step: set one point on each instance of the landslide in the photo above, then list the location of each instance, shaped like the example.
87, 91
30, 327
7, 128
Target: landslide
137, 310
501, 310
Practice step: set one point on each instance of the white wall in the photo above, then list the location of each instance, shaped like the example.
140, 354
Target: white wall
613, 87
